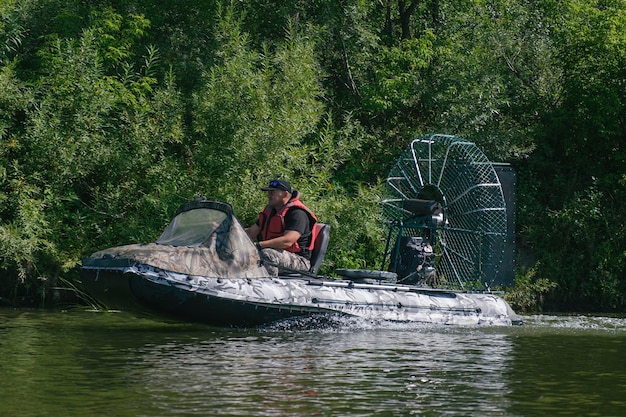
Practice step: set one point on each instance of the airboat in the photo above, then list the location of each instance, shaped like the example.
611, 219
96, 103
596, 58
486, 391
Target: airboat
449, 244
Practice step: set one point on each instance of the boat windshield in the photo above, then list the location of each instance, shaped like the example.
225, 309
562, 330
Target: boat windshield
192, 227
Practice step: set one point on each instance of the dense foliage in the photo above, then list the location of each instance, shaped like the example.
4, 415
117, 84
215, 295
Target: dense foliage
112, 113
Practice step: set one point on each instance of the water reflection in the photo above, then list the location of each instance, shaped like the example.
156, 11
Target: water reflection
82, 364
572, 366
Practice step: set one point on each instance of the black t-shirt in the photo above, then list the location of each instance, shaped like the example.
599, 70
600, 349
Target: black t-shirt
297, 219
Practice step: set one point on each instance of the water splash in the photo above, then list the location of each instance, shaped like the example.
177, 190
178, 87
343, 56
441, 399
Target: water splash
333, 323
613, 324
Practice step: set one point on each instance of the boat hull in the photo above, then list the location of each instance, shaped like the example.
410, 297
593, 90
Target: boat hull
245, 302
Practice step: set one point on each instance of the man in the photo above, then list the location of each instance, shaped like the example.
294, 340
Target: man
283, 230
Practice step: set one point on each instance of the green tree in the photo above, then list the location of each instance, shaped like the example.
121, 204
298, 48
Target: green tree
91, 153
575, 176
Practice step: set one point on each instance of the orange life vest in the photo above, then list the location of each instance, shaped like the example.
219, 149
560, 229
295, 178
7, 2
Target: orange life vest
274, 226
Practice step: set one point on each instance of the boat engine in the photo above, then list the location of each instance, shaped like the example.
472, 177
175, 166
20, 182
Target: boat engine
412, 255
416, 261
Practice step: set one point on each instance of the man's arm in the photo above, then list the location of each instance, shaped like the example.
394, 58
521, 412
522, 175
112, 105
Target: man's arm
281, 242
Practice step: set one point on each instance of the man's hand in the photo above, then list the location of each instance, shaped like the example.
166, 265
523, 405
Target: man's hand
283, 242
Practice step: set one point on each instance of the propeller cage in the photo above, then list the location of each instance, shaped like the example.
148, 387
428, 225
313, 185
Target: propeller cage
444, 191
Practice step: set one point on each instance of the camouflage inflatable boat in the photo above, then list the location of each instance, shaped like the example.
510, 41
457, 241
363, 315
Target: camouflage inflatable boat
440, 260
205, 268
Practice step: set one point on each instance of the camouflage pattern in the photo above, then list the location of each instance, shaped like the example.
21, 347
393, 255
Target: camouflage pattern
390, 302
274, 257
227, 252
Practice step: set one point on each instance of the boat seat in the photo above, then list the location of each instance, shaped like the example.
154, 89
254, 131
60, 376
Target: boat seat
322, 237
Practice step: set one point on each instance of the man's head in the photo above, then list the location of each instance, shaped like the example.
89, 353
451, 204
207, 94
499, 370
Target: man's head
278, 193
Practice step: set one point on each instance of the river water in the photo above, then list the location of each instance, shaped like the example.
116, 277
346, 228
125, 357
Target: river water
83, 363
